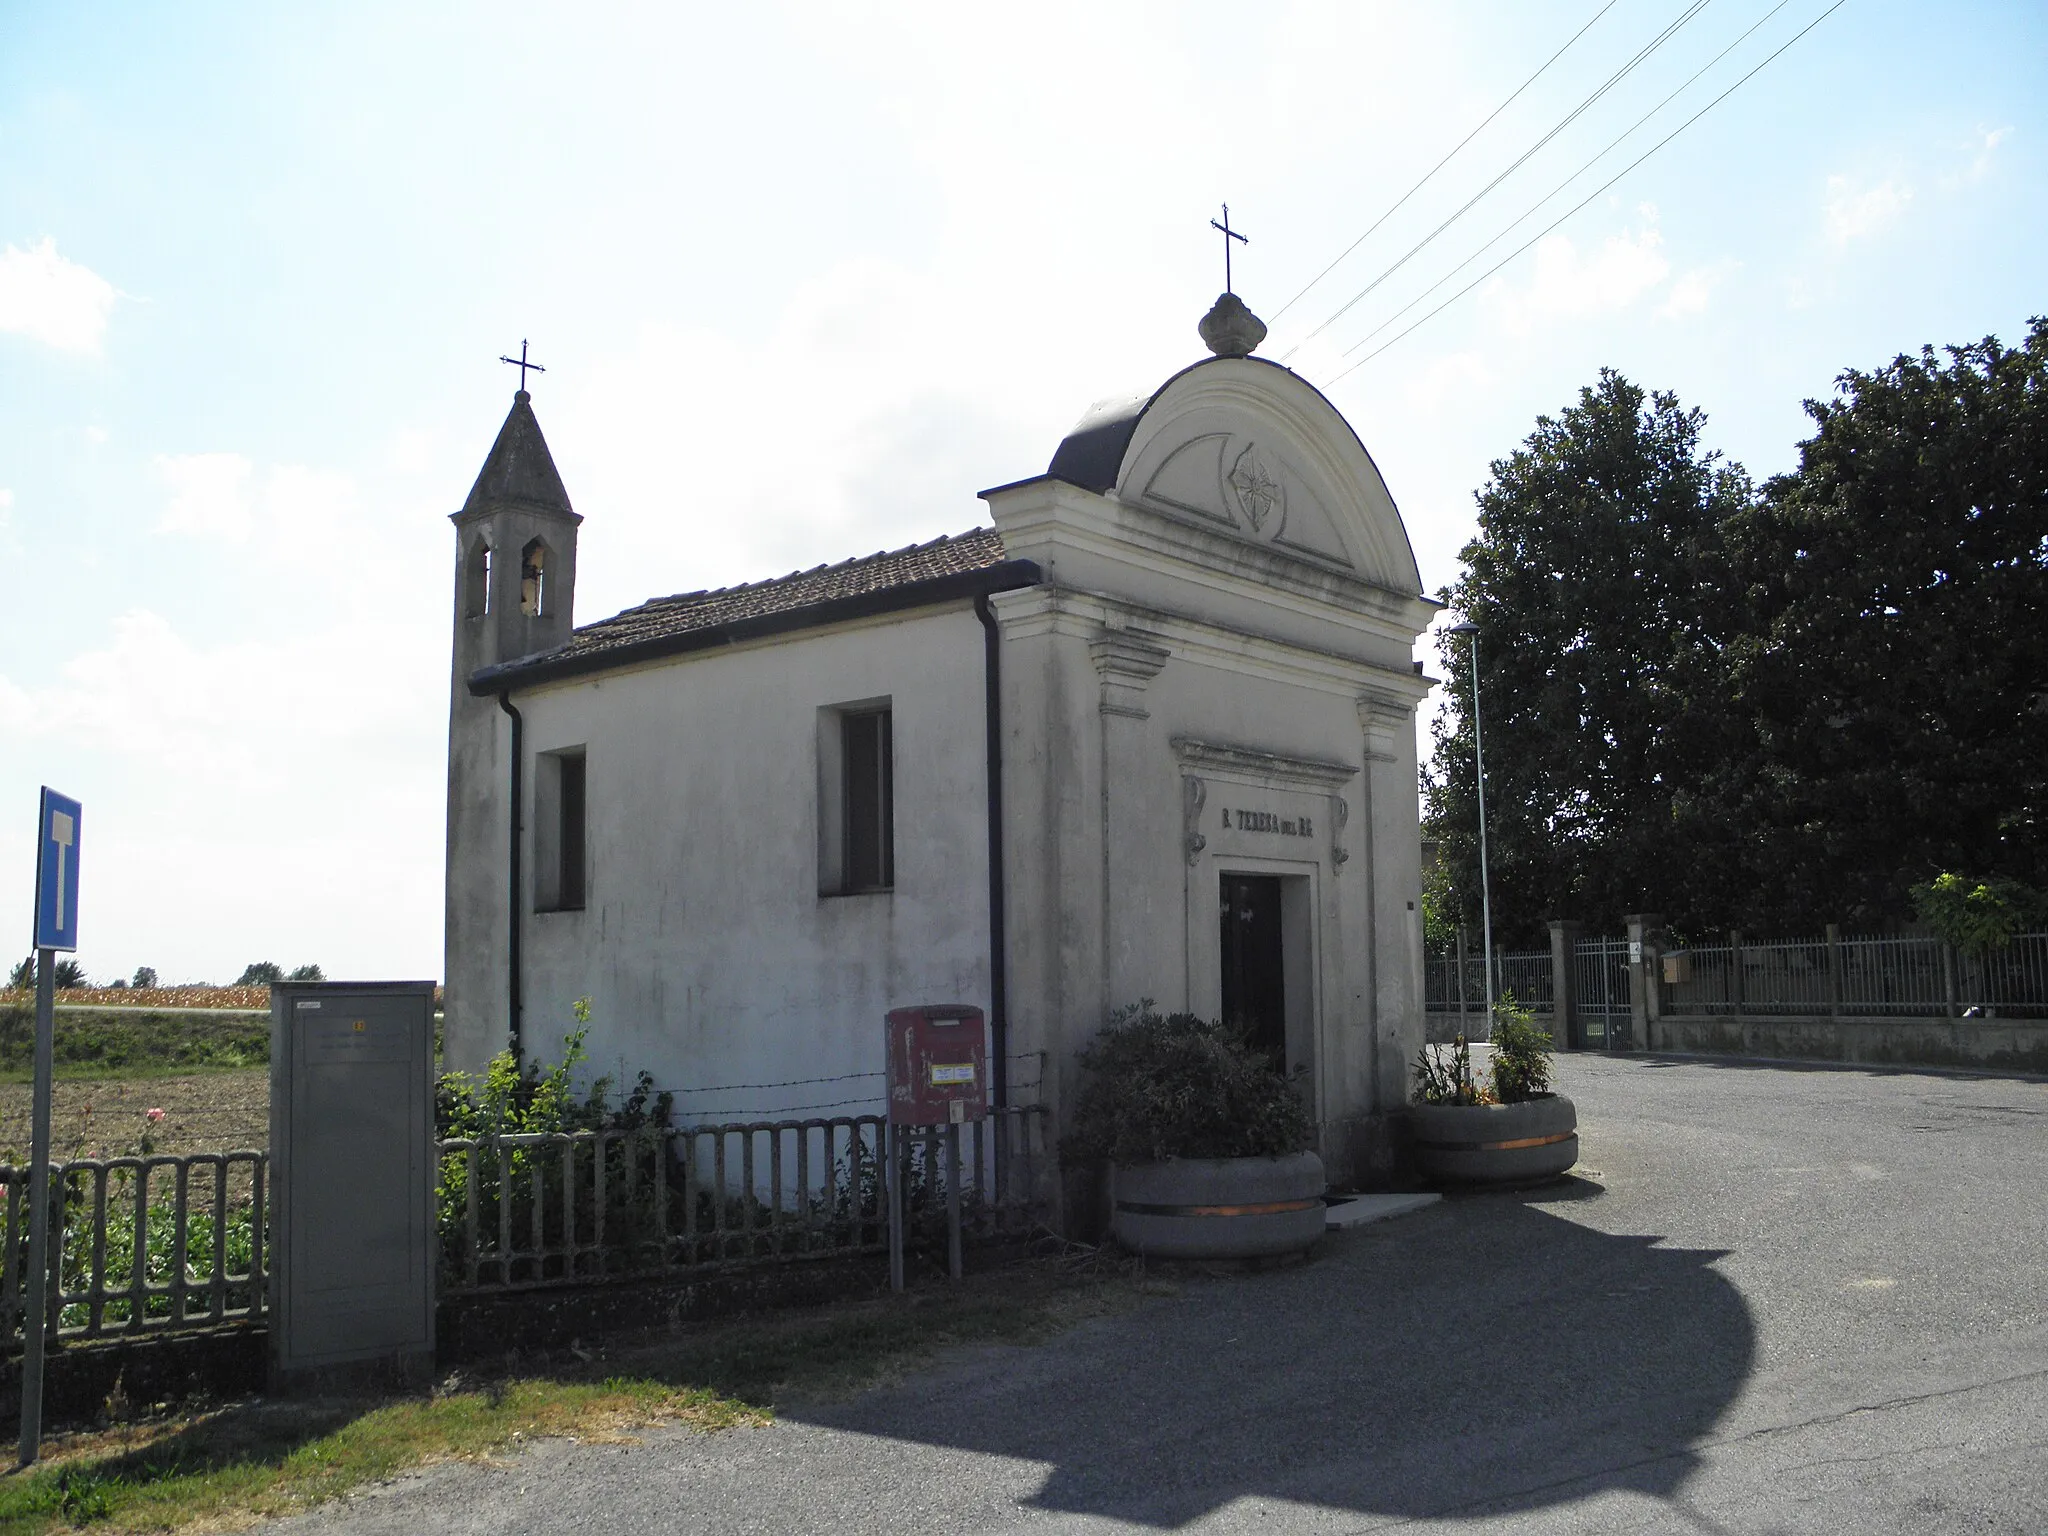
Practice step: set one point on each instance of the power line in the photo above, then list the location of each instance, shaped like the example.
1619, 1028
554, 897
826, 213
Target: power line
1575, 175
1674, 133
1496, 112
1563, 123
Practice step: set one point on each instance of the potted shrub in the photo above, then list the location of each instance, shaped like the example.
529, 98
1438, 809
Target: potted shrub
1205, 1141
1511, 1130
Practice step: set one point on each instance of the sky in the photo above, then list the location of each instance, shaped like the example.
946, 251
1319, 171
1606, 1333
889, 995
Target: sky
805, 278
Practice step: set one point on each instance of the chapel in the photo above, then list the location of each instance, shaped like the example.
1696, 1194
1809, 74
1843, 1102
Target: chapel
1145, 732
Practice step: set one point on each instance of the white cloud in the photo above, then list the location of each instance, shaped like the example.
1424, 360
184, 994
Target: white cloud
1566, 285
1460, 375
291, 508
1692, 290
51, 300
209, 495
6, 504
1986, 146
149, 691
1856, 212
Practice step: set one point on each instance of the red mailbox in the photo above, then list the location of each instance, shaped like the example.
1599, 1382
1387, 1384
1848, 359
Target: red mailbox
938, 1065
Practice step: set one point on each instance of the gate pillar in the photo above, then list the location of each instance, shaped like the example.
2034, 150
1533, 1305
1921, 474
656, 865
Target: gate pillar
1564, 990
1644, 931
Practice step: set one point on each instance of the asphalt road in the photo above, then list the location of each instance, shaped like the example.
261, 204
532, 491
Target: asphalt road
1780, 1300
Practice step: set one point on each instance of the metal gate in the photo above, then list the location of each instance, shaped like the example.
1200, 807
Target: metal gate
1600, 988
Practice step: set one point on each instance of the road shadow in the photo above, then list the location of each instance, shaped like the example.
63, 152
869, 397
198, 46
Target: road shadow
1486, 1354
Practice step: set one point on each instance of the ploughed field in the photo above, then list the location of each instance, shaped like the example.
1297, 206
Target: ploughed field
110, 1116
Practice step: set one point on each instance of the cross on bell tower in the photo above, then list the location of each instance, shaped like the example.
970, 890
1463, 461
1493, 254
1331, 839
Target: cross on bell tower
522, 364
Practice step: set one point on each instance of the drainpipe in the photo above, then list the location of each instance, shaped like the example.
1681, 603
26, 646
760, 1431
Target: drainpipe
512, 924
998, 977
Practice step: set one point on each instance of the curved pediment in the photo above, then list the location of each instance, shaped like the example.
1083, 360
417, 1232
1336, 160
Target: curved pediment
1248, 447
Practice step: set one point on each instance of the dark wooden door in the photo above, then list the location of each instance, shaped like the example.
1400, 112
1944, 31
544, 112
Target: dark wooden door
1254, 972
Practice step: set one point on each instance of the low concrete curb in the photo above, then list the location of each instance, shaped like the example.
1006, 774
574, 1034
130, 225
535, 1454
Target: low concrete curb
1358, 1210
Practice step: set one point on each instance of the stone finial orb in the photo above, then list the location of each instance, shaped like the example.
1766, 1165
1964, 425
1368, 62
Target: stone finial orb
1231, 330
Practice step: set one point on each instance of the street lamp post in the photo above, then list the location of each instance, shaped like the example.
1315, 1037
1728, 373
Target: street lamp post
1471, 631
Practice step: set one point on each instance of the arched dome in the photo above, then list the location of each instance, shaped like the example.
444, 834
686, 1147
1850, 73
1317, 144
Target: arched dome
1243, 444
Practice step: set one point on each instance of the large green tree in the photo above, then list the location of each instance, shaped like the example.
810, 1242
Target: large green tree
1896, 668
1604, 600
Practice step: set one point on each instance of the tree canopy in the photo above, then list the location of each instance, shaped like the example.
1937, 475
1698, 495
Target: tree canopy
1761, 707
1600, 587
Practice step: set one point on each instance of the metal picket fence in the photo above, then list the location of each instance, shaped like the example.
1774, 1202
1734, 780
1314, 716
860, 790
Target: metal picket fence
570, 1208
1526, 975
142, 1245
1867, 976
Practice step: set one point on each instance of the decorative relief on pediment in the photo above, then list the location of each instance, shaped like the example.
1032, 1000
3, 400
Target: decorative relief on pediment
1248, 486
1259, 496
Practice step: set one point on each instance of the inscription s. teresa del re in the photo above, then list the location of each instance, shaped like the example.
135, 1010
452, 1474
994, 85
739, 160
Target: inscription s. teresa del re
1266, 821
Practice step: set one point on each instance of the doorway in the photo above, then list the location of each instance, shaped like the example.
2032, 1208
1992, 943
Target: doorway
1255, 962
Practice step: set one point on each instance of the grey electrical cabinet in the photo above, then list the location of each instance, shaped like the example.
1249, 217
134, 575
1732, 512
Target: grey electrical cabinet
352, 1169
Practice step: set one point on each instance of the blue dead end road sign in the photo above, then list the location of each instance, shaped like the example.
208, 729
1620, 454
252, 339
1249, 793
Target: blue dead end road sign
57, 872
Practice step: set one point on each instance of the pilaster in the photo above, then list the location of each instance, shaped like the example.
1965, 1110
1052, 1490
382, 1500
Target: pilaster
1393, 870
1126, 661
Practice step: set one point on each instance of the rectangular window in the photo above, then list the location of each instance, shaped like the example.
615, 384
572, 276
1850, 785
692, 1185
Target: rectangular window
571, 873
561, 856
870, 809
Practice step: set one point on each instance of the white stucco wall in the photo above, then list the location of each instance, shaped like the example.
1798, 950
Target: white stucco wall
708, 954
1180, 657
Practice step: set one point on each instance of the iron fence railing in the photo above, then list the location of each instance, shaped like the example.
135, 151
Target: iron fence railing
1528, 977
571, 1208
1527, 974
1873, 976
141, 1245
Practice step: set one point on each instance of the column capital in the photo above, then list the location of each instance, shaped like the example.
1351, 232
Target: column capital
1127, 660
1383, 714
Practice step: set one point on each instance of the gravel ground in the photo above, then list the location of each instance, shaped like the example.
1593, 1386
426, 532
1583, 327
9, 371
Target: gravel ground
108, 1117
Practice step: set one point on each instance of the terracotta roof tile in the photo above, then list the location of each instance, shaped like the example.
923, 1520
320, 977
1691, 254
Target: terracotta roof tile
664, 617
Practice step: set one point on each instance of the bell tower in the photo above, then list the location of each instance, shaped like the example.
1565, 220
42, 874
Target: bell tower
515, 594
515, 582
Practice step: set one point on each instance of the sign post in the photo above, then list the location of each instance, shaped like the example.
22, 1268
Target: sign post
56, 929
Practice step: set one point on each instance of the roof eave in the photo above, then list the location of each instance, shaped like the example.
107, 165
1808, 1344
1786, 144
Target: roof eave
1005, 576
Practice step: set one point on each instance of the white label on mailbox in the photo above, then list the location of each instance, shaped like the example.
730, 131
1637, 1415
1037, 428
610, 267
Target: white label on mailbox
309, 1002
947, 1074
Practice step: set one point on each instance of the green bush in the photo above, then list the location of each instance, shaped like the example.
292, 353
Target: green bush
506, 1100
1521, 1063
1156, 1087
1443, 1075
1981, 916
1521, 1054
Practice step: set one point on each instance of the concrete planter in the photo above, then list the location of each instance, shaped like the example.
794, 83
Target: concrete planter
1502, 1144
1218, 1208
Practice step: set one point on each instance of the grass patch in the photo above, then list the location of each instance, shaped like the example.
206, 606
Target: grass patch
146, 1043
262, 1459
273, 1459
